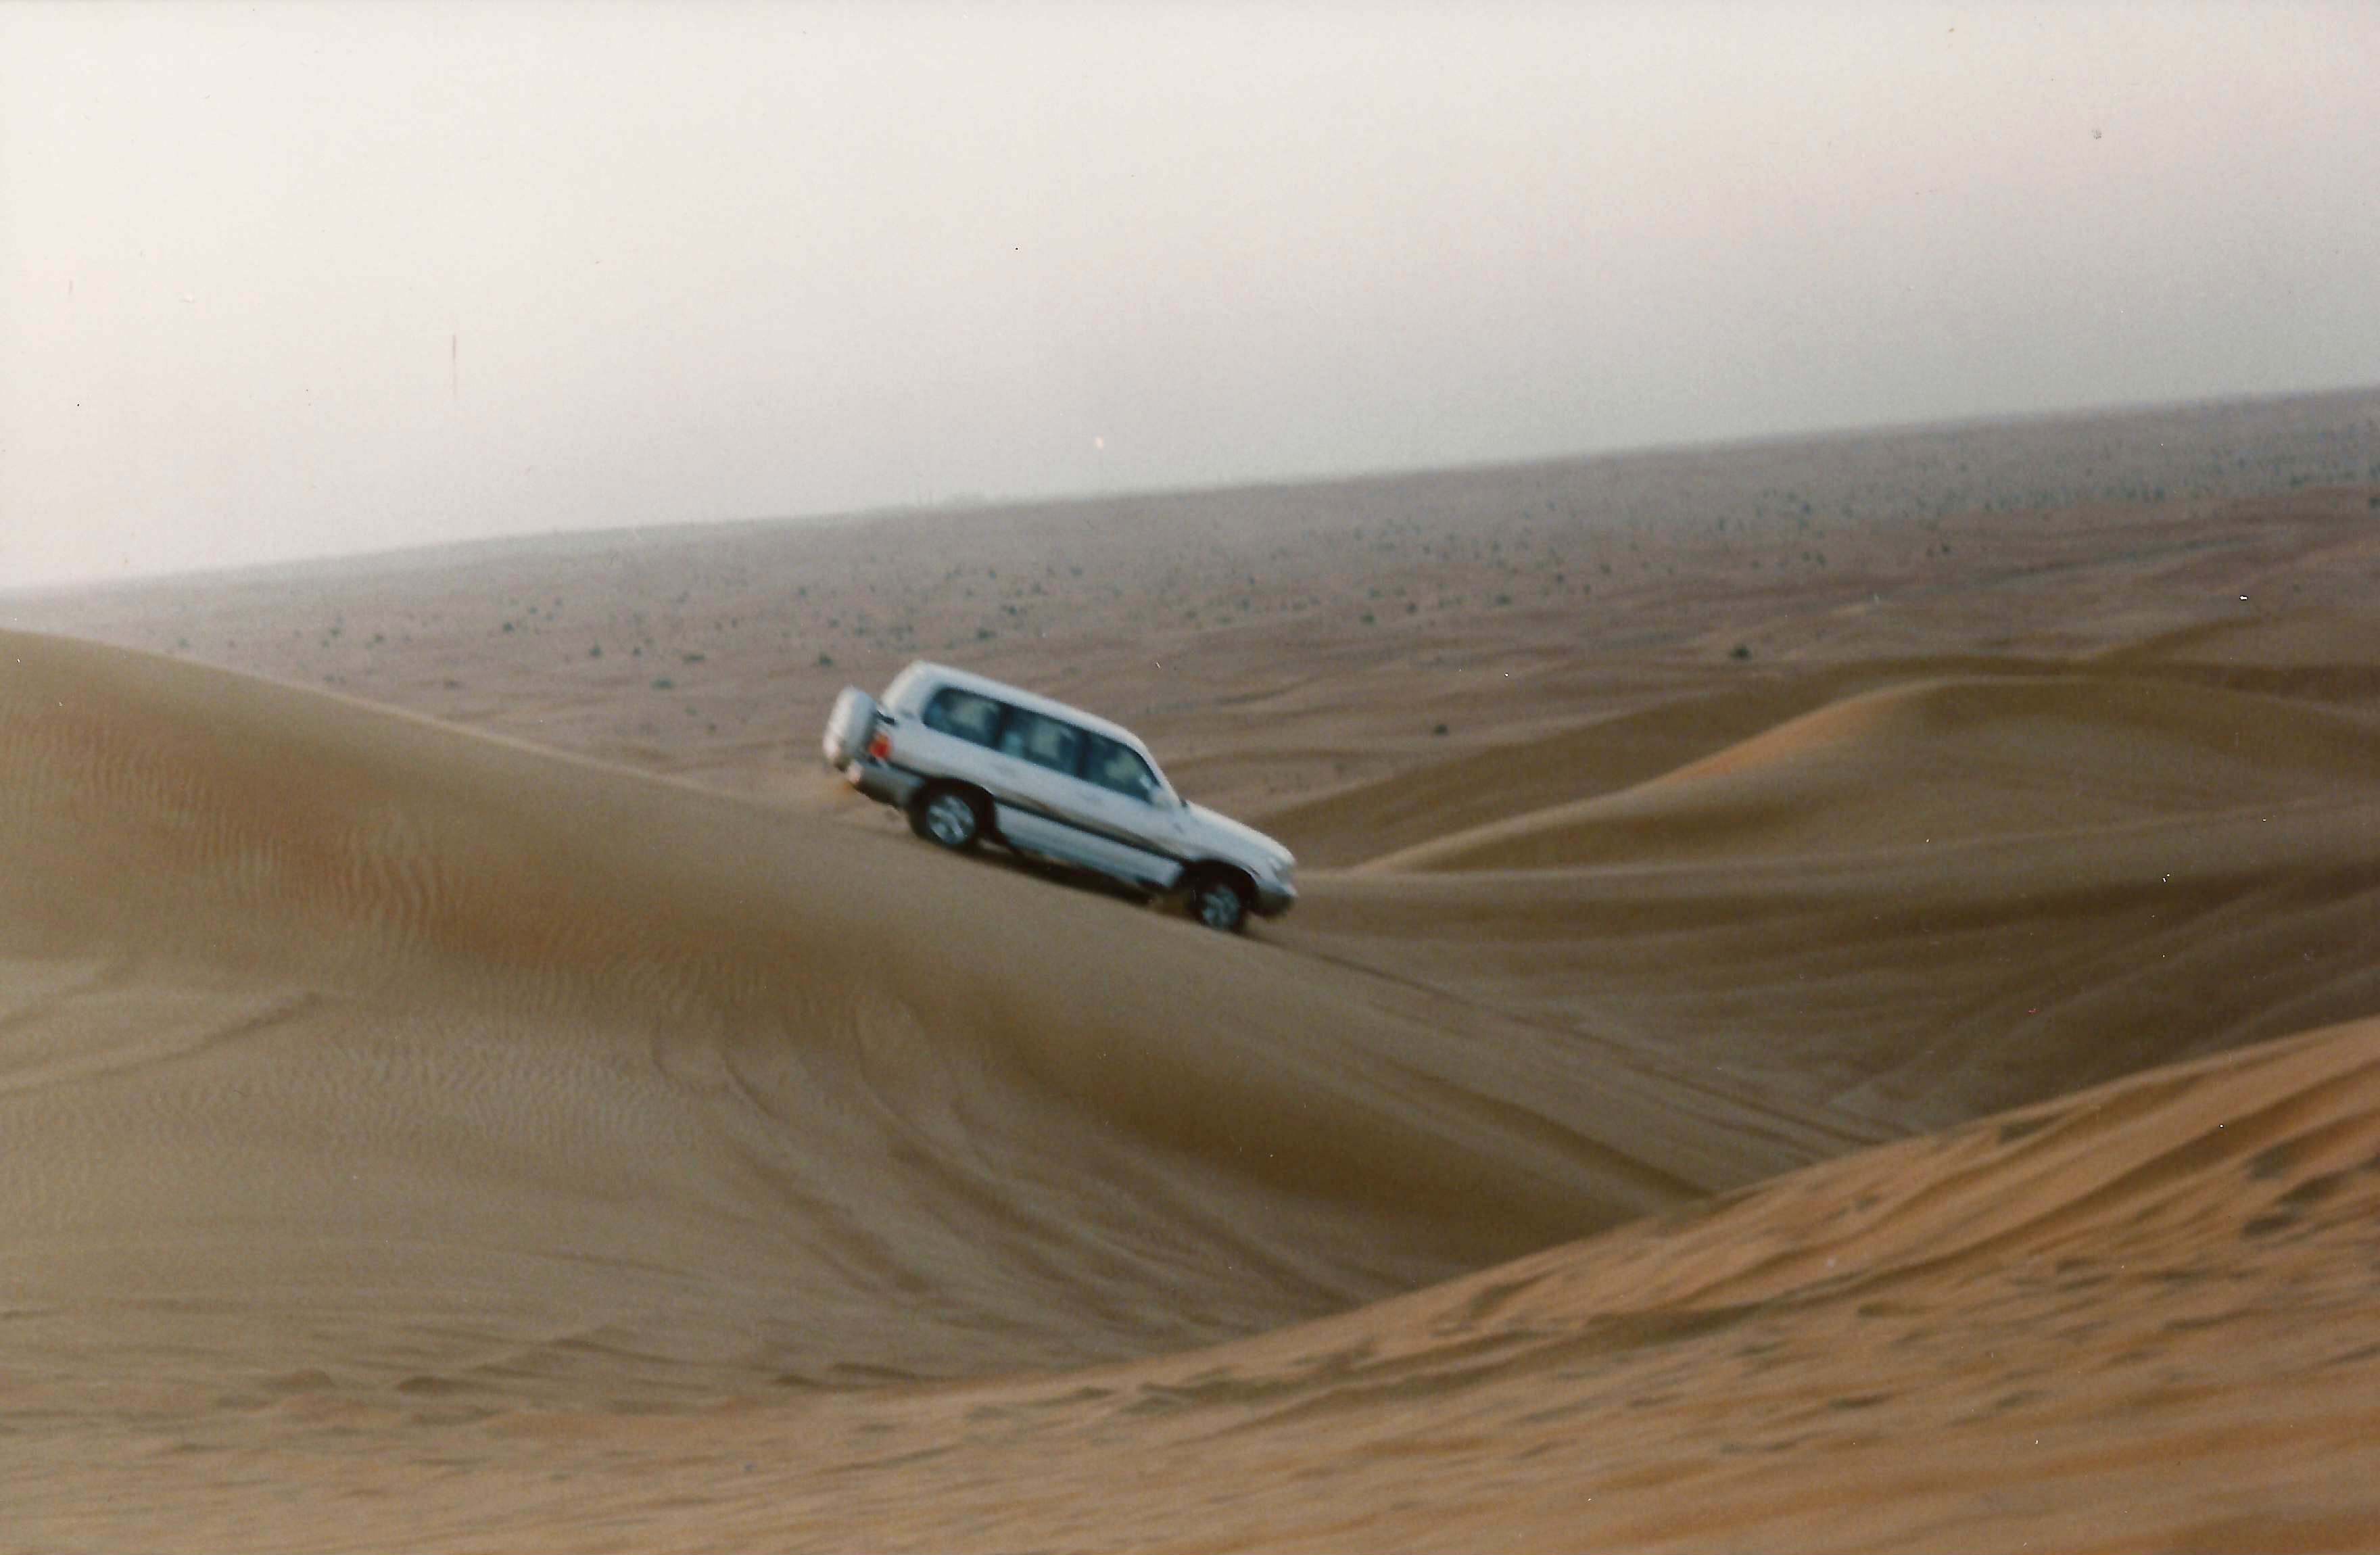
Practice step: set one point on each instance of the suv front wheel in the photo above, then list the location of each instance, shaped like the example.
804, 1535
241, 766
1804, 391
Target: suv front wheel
1219, 901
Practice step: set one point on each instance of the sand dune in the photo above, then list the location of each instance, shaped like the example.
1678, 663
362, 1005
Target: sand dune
1932, 900
2134, 1320
1941, 761
1914, 988
452, 1139
553, 1061
1436, 800
350, 1058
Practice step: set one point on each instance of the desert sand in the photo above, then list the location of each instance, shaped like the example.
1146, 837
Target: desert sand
1836, 1004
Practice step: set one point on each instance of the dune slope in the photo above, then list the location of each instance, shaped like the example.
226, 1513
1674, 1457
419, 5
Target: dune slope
352, 1043
415, 1137
1437, 800
1916, 988
1917, 903
2136, 1318
1946, 761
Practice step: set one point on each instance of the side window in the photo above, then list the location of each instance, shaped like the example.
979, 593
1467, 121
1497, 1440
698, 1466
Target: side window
1045, 742
964, 715
1119, 766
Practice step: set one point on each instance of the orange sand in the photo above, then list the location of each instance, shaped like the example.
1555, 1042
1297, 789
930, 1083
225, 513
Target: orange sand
1913, 1084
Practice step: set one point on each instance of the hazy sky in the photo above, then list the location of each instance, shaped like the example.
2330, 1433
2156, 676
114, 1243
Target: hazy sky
278, 281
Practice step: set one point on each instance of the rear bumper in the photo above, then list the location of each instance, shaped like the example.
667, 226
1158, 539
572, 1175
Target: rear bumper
882, 781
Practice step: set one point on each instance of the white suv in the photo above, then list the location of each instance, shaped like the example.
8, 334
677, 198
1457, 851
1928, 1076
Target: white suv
969, 759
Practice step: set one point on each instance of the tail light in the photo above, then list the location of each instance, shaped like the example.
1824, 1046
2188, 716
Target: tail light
880, 745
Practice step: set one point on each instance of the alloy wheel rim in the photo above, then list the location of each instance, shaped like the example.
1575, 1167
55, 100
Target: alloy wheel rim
949, 820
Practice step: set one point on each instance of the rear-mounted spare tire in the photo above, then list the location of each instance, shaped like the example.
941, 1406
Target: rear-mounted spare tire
848, 726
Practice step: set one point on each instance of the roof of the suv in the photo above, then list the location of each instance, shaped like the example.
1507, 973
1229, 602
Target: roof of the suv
944, 675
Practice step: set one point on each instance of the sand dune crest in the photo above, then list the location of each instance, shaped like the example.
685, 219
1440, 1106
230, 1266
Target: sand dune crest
1946, 761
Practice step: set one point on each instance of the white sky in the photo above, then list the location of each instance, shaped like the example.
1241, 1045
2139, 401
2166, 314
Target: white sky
283, 281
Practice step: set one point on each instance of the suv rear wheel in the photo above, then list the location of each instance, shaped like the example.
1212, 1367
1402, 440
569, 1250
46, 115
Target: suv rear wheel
1219, 901
950, 817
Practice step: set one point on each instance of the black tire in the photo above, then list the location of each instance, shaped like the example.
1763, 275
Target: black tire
950, 817
1218, 899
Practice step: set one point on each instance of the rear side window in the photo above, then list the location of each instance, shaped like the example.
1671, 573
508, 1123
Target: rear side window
1045, 742
964, 715
1119, 766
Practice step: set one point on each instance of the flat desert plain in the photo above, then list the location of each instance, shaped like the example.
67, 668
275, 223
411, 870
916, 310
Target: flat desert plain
1834, 1004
